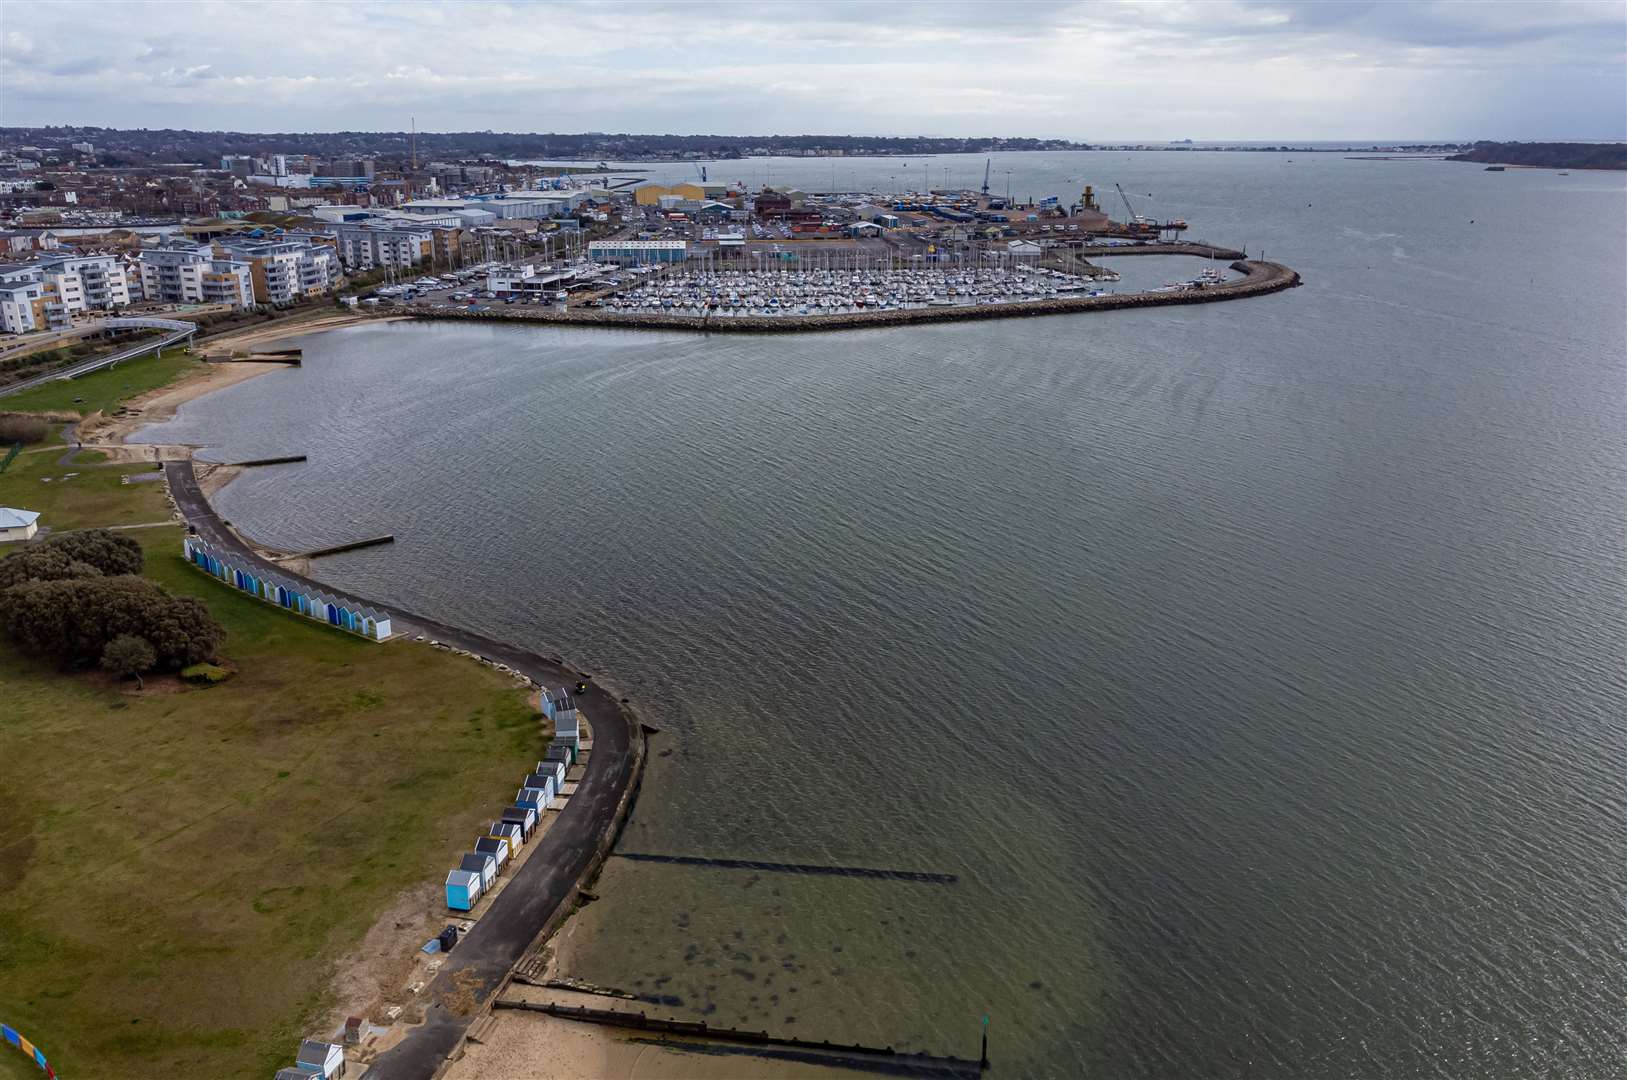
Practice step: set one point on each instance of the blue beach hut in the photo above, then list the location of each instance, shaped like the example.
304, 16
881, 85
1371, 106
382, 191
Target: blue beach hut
463, 890
533, 799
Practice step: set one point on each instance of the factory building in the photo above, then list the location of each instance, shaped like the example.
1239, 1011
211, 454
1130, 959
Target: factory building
638, 252
650, 194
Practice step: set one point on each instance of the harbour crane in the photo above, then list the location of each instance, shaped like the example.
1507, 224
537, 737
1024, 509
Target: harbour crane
1128, 209
702, 170
987, 164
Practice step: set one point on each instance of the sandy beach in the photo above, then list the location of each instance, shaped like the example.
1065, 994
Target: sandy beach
541, 1047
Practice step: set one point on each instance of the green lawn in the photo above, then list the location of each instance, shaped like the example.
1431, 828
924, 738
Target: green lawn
14, 1066
180, 870
103, 389
92, 495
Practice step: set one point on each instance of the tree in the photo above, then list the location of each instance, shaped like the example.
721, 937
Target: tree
128, 655
110, 552
43, 562
72, 620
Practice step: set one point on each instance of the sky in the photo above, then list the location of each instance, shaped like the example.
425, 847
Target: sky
1091, 72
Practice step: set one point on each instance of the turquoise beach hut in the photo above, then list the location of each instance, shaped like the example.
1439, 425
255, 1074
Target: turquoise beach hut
463, 890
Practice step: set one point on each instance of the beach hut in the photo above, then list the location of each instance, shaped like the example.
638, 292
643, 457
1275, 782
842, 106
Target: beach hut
566, 721
293, 1074
561, 752
556, 767
495, 846
326, 1060
463, 889
541, 782
511, 831
523, 816
546, 777
482, 864
534, 799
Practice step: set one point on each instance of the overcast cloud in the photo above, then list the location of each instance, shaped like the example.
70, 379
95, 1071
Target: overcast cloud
1085, 71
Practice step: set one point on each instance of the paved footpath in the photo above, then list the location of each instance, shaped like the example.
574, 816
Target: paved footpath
573, 844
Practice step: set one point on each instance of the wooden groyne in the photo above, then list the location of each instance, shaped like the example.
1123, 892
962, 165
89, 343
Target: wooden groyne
288, 460
291, 357
354, 545
1260, 278
854, 1055
792, 868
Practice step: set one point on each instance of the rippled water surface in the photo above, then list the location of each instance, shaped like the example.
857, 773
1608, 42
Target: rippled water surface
1257, 667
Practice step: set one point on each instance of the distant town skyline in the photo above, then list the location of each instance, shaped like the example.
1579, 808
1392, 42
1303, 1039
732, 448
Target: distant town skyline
1121, 72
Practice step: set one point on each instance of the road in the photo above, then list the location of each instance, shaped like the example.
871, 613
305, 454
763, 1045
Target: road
568, 850
176, 331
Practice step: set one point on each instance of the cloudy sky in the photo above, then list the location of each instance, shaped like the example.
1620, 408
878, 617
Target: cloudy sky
1225, 69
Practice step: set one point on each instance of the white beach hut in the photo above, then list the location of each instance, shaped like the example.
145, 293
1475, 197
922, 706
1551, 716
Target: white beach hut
321, 1059
495, 846
523, 816
482, 864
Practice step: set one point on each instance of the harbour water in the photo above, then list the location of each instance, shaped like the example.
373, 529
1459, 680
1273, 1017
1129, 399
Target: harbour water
1257, 668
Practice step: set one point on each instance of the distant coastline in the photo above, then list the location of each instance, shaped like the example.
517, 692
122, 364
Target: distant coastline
1554, 155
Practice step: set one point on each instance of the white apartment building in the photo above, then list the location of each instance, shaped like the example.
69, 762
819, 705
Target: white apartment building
87, 282
366, 246
196, 275
22, 305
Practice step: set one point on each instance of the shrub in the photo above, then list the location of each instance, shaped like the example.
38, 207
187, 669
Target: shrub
74, 620
110, 552
128, 655
205, 674
42, 562
20, 427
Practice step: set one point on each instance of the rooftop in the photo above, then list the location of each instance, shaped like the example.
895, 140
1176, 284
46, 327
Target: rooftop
11, 518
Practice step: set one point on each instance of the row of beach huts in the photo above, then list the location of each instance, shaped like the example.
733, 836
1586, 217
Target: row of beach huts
18, 1041
477, 872
287, 593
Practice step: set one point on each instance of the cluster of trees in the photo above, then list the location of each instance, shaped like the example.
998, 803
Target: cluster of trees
77, 599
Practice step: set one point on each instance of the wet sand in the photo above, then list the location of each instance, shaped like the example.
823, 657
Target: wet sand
542, 1047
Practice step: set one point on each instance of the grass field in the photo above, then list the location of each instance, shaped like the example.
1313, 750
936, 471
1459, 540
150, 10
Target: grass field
103, 389
180, 869
14, 1066
85, 493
